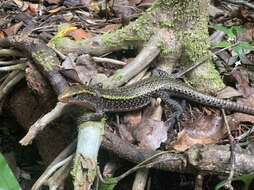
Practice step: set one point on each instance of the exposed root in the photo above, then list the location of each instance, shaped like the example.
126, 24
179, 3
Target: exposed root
60, 164
41, 123
198, 159
7, 85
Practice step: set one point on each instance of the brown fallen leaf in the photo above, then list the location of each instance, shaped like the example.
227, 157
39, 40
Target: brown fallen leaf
248, 34
249, 101
2, 35
247, 13
125, 133
241, 118
145, 2
152, 131
150, 134
53, 1
31, 8
85, 68
22, 4
134, 2
123, 9
133, 119
228, 92
55, 10
79, 34
11, 31
85, 2
204, 130
243, 83
110, 28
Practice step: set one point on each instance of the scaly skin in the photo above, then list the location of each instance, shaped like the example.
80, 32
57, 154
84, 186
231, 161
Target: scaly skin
138, 95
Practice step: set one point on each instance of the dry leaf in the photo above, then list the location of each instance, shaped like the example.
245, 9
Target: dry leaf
11, 31
243, 118
79, 34
93, 6
185, 141
228, 92
56, 10
243, 83
150, 134
248, 35
22, 4
246, 13
85, 2
133, 119
125, 133
85, 68
134, 2
247, 101
33, 8
122, 9
53, 1
204, 130
2, 35
110, 28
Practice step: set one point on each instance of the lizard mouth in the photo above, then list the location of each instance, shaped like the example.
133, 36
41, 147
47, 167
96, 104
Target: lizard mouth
63, 99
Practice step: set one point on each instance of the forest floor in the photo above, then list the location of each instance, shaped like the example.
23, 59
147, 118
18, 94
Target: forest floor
231, 29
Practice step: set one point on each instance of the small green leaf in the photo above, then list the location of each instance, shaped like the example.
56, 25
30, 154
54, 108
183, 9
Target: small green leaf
246, 179
237, 29
228, 31
245, 46
222, 44
7, 179
242, 48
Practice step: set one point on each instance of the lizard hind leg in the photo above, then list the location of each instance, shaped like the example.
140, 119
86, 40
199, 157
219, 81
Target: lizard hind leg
176, 108
161, 73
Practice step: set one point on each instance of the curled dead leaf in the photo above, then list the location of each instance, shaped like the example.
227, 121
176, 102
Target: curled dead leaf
150, 134
204, 130
11, 31
243, 83
228, 92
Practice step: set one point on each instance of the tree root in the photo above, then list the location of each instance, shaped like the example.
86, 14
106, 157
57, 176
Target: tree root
205, 159
190, 31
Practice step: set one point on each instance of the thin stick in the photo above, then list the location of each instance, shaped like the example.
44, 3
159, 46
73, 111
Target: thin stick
9, 85
108, 60
10, 52
13, 67
41, 123
241, 2
203, 60
228, 184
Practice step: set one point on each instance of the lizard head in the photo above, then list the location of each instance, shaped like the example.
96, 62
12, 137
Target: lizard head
73, 93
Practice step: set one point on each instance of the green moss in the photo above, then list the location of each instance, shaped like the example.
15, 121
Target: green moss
140, 30
46, 58
167, 24
164, 51
91, 172
195, 41
75, 167
117, 76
